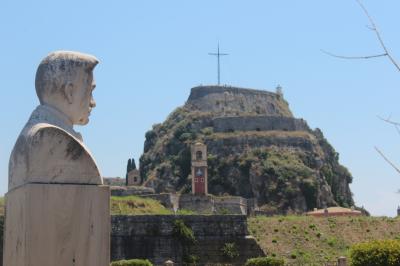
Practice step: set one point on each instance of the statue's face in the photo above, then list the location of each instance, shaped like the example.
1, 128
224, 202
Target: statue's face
82, 98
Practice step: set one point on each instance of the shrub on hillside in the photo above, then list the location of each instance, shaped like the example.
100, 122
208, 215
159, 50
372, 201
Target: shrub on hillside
376, 253
265, 261
183, 233
230, 250
134, 262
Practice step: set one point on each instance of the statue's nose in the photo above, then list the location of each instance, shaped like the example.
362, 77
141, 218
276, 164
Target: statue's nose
92, 103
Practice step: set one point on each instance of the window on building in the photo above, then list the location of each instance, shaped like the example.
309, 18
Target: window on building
199, 155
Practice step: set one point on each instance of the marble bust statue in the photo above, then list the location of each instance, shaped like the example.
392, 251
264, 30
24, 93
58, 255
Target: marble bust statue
49, 150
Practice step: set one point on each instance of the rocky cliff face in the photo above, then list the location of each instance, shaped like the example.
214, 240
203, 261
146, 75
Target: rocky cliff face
256, 149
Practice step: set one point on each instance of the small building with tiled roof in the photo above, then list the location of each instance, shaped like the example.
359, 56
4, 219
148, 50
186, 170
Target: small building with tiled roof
334, 211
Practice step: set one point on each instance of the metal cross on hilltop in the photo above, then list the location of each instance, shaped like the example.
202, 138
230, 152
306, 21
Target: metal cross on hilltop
218, 54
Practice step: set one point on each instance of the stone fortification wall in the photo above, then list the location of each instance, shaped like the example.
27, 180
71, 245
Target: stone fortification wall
198, 203
258, 123
230, 205
223, 100
152, 237
234, 144
209, 204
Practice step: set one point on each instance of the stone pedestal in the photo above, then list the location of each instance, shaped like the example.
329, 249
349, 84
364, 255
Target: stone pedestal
57, 224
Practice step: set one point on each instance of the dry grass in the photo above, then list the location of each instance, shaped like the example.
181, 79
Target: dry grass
133, 205
311, 240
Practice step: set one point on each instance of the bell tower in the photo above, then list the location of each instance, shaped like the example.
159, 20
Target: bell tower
199, 169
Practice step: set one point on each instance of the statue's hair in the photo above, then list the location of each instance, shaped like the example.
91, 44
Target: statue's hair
58, 68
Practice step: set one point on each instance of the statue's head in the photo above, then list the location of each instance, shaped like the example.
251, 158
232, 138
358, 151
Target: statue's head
64, 80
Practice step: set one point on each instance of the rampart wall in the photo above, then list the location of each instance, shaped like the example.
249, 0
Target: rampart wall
152, 237
258, 123
226, 100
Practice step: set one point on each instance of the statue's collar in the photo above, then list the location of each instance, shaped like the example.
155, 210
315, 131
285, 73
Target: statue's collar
47, 114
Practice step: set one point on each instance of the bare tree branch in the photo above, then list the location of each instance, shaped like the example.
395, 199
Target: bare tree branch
387, 120
378, 35
387, 160
395, 124
397, 129
353, 57
374, 28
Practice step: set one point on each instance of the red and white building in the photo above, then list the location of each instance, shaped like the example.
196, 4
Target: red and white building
199, 169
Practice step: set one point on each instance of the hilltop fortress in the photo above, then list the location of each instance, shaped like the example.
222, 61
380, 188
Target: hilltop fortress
244, 109
225, 101
256, 149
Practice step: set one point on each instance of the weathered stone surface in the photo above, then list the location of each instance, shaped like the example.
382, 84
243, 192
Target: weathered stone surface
152, 237
59, 224
49, 150
225, 100
258, 123
209, 204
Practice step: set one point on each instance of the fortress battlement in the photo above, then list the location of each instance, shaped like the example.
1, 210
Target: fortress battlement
228, 101
258, 123
201, 91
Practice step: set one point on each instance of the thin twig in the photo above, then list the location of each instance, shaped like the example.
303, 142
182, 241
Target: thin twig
353, 57
387, 160
374, 28
389, 121
378, 35
397, 129
395, 124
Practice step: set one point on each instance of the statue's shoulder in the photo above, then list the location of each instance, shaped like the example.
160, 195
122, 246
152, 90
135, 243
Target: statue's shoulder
45, 153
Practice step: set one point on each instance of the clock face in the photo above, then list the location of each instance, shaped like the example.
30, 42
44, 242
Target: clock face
199, 172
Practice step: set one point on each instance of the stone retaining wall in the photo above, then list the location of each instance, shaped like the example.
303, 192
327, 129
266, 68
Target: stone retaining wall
209, 204
258, 123
151, 237
226, 100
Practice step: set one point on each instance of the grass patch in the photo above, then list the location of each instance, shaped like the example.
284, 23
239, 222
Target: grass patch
305, 240
134, 205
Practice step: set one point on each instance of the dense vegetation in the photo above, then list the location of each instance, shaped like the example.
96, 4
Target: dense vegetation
376, 253
134, 262
265, 261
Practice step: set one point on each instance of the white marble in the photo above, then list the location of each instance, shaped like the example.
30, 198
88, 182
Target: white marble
48, 149
57, 210
58, 224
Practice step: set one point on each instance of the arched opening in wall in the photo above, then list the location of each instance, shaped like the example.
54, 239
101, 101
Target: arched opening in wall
258, 129
199, 155
230, 130
285, 129
135, 179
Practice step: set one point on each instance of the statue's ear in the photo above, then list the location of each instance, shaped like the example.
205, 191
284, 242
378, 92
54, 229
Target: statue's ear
69, 92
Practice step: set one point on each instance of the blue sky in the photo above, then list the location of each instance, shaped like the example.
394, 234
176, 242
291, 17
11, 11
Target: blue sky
153, 52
